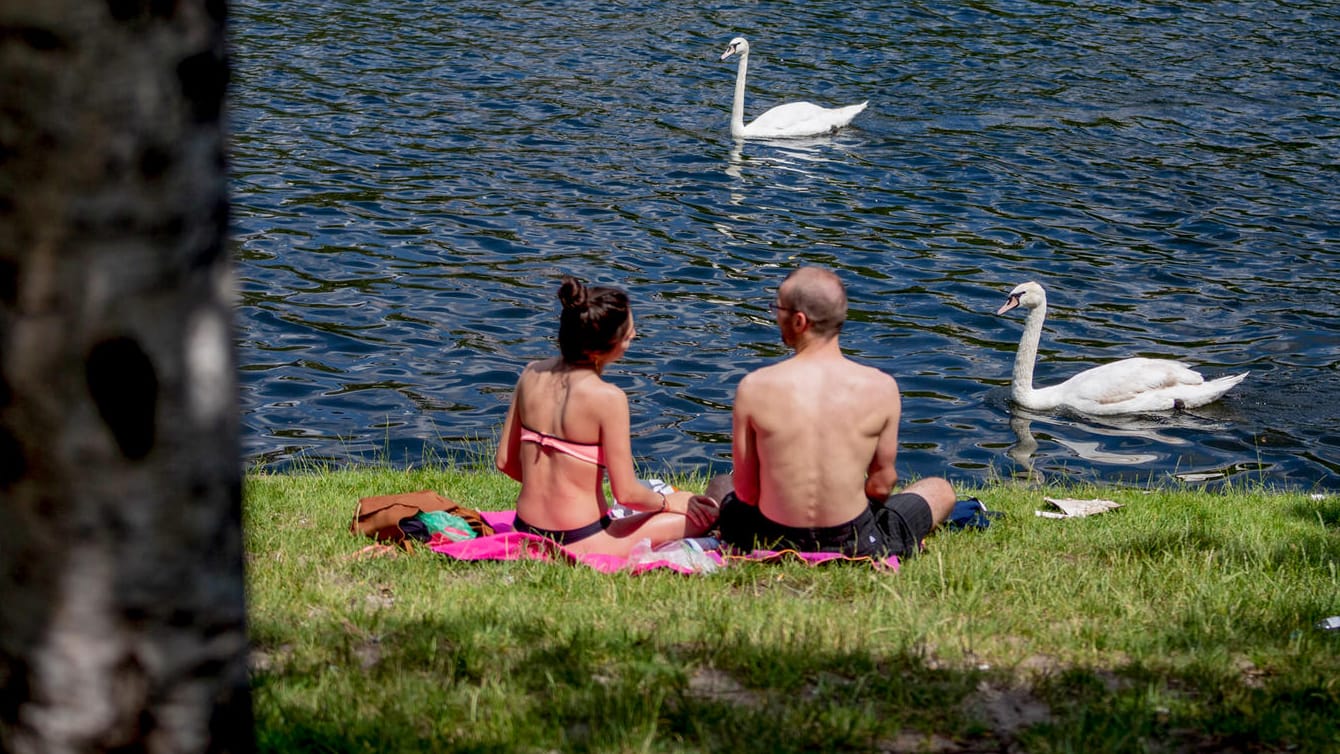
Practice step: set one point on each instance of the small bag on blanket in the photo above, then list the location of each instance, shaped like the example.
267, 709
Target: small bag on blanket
379, 516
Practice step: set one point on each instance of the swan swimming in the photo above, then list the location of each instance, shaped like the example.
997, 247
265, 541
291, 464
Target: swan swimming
1129, 386
790, 119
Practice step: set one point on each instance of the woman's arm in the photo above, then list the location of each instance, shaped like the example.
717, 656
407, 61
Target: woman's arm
508, 459
614, 438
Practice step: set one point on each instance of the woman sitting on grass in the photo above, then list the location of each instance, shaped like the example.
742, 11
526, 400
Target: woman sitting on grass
566, 428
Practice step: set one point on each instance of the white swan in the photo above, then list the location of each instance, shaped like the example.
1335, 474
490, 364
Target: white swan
791, 119
1129, 386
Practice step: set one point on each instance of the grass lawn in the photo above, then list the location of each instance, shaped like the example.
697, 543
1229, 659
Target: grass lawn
1183, 622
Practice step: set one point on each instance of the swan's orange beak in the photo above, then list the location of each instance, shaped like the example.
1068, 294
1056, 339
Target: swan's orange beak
1012, 302
729, 51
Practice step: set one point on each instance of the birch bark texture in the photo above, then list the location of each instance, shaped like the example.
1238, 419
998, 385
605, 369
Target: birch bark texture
122, 592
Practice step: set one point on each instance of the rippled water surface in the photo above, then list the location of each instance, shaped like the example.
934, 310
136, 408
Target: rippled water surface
412, 179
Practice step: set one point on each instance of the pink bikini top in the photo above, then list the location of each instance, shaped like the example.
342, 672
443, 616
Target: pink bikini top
592, 453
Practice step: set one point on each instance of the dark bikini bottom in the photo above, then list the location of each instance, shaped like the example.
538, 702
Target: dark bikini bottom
564, 536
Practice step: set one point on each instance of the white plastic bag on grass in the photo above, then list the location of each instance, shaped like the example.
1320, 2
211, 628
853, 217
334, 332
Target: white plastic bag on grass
688, 553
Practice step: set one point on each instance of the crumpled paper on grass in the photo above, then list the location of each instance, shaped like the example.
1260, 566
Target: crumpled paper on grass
1076, 508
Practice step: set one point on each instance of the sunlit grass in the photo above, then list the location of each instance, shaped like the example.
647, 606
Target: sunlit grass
1182, 622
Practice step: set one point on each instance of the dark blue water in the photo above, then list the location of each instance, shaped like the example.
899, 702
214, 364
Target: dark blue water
412, 179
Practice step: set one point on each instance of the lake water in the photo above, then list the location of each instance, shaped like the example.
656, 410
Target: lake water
412, 179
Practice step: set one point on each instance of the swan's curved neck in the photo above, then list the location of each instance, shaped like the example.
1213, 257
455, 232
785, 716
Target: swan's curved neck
737, 108
1021, 387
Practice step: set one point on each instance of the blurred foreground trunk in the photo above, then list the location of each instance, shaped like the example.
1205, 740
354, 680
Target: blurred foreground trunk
122, 614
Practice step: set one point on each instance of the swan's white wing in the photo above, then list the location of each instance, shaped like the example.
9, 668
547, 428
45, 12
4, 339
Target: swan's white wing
1128, 380
1141, 385
783, 118
801, 119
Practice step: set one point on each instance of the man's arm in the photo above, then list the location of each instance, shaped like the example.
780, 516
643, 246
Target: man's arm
881, 476
744, 449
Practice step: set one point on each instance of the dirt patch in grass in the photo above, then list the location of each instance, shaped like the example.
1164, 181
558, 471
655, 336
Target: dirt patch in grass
265, 659
1006, 709
909, 742
712, 685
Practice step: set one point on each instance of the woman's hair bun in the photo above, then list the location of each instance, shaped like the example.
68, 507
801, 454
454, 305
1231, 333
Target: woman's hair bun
593, 321
572, 293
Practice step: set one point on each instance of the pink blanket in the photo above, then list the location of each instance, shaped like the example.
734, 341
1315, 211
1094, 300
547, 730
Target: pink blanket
507, 544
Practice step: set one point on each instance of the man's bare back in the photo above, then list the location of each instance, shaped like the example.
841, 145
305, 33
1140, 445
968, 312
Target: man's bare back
816, 422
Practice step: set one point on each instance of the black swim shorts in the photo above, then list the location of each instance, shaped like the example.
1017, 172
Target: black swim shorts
905, 519
894, 527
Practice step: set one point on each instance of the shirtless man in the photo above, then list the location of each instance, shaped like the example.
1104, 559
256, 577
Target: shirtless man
814, 441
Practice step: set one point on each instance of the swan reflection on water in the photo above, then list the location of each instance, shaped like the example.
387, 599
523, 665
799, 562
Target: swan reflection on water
733, 167
802, 157
1151, 428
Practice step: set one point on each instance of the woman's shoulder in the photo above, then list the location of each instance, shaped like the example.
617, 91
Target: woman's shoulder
541, 366
594, 386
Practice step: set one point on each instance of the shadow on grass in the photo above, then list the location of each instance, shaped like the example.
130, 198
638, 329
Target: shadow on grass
482, 683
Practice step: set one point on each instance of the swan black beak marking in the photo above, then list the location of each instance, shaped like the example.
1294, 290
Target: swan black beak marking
1010, 303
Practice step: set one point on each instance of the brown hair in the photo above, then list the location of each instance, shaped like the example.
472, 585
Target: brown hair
593, 319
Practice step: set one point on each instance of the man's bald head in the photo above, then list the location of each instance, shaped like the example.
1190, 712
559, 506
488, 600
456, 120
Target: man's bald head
820, 294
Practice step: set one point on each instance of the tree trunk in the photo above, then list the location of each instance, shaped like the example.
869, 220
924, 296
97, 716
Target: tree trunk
122, 612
